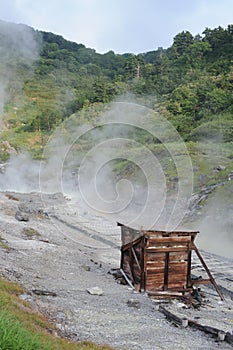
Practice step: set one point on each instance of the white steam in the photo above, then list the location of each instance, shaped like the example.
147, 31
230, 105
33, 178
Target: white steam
82, 162
87, 161
216, 224
21, 174
19, 46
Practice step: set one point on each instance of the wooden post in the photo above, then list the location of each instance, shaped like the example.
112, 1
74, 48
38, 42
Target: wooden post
189, 282
183, 322
135, 257
143, 264
131, 265
166, 271
208, 272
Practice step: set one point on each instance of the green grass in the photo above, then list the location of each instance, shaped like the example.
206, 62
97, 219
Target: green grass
3, 244
205, 157
15, 336
30, 232
23, 329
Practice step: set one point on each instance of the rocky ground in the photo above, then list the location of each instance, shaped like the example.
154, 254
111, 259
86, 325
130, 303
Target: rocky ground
59, 253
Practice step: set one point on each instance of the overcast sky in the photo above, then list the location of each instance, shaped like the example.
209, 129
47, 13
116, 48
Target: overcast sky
119, 25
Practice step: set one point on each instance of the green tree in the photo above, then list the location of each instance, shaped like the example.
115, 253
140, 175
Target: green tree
181, 43
218, 100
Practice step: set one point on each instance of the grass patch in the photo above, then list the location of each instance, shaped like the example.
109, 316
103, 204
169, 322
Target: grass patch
31, 142
23, 329
14, 336
31, 232
205, 158
4, 245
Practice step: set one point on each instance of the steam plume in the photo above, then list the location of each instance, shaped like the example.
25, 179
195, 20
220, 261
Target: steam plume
19, 45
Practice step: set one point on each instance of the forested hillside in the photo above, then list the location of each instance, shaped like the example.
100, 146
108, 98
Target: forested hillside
189, 82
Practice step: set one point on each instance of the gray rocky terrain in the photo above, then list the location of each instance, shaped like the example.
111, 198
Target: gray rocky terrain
60, 253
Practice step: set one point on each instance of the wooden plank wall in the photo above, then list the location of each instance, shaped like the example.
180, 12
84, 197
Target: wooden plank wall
167, 261
157, 260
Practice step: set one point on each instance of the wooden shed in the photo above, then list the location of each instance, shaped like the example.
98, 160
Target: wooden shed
159, 262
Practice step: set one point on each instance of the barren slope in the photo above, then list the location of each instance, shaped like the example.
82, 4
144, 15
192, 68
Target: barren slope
73, 252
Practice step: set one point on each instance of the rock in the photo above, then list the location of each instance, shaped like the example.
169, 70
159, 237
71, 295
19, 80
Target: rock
26, 297
3, 168
60, 315
44, 292
181, 305
32, 207
86, 267
45, 240
24, 207
220, 168
133, 303
20, 216
95, 291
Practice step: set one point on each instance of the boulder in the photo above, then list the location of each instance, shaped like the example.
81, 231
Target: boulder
20, 216
219, 168
95, 291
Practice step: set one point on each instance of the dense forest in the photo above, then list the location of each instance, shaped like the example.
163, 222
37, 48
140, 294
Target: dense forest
190, 83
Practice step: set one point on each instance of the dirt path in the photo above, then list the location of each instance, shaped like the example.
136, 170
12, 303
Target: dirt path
73, 253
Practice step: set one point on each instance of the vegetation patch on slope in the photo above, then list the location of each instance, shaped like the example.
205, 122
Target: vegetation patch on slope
23, 329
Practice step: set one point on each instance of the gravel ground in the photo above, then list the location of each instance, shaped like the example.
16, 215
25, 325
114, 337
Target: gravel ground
74, 252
